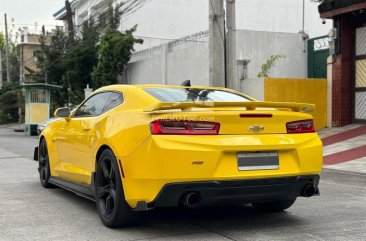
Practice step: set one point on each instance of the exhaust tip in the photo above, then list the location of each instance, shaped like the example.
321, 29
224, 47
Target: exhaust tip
308, 191
191, 199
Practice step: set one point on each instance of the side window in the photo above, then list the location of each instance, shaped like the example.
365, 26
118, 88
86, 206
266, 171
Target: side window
114, 100
93, 106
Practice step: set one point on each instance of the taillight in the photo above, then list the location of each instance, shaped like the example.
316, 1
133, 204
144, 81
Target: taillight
303, 126
171, 127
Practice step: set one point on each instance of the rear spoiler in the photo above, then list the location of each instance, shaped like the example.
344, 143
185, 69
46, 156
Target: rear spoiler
250, 105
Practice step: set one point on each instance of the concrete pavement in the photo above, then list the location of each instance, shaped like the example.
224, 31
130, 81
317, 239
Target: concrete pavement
30, 212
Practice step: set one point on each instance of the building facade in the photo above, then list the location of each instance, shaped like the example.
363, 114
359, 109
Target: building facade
28, 47
348, 60
162, 21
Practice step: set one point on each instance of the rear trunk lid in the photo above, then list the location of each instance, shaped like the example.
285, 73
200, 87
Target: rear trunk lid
236, 118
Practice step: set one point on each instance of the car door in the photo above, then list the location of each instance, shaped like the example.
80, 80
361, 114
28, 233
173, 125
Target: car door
75, 139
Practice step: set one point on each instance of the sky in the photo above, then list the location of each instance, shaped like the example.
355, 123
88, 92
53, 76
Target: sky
26, 13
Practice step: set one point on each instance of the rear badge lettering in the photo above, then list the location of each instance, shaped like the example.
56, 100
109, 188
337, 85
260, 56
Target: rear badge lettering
256, 128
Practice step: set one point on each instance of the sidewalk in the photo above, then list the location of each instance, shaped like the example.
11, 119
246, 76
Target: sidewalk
345, 148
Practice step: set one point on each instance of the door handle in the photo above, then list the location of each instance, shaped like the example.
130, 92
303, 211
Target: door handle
86, 128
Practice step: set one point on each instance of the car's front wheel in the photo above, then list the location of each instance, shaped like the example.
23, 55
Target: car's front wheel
111, 204
44, 164
276, 206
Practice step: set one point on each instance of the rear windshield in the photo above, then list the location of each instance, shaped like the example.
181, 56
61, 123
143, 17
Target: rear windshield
191, 95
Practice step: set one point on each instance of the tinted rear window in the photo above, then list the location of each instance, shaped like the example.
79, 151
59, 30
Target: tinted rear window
191, 95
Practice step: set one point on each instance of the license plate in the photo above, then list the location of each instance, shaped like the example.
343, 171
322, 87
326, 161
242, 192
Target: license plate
248, 161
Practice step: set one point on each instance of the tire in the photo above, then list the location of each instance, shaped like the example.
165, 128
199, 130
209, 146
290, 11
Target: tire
112, 207
44, 164
276, 206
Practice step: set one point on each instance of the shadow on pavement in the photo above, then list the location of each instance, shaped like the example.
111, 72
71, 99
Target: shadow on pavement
228, 217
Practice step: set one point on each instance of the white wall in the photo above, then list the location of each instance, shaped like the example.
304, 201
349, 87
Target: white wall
177, 63
160, 21
253, 87
189, 59
259, 46
280, 16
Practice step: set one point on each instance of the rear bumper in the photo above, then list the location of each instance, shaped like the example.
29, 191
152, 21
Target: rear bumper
238, 191
165, 160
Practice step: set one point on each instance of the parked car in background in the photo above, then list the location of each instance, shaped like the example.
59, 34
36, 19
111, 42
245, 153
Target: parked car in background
41, 126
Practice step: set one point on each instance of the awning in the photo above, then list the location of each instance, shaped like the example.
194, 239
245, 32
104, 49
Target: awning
331, 8
41, 86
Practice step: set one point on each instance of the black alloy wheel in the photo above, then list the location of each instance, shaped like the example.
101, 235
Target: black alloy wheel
111, 204
44, 164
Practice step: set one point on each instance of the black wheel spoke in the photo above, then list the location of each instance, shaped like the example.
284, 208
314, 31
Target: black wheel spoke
102, 191
113, 195
42, 160
104, 168
111, 175
106, 193
109, 204
42, 173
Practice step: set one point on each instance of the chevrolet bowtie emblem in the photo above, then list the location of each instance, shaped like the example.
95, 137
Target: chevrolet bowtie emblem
256, 128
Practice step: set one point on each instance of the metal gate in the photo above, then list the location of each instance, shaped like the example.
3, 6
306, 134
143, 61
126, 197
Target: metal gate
318, 52
360, 75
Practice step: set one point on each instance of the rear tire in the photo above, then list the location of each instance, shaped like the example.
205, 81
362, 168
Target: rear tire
276, 206
44, 164
112, 207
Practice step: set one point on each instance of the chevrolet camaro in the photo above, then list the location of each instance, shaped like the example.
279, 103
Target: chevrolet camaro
132, 148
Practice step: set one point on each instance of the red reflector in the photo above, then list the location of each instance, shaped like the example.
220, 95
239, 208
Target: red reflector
170, 127
304, 126
256, 115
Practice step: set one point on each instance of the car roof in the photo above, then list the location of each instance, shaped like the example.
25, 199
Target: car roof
144, 86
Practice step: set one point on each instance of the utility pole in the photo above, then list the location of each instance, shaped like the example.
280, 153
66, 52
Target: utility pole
216, 43
231, 65
7, 50
70, 24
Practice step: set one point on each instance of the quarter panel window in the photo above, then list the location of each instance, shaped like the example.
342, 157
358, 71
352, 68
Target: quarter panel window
114, 100
94, 106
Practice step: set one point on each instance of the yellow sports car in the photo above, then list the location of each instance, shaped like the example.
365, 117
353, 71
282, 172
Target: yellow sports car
132, 148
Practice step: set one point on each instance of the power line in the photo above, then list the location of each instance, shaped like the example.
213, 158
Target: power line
138, 6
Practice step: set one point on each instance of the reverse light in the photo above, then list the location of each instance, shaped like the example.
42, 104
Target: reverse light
303, 126
171, 127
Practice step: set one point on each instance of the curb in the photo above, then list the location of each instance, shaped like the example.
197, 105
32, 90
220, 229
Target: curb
343, 177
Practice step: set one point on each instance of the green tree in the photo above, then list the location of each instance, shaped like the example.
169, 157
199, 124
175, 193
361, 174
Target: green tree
13, 59
114, 50
80, 60
10, 95
50, 63
11, 98
2, 41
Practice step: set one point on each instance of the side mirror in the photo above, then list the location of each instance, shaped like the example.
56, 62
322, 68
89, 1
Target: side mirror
62, 112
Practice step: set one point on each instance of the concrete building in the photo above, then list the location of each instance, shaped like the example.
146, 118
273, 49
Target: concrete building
28, 47
161, 21
347, 71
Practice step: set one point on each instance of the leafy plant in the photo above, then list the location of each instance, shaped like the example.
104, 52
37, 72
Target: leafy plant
11, 98
114, 50
270, 63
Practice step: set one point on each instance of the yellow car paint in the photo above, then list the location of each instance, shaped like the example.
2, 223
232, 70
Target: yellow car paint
151, 161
